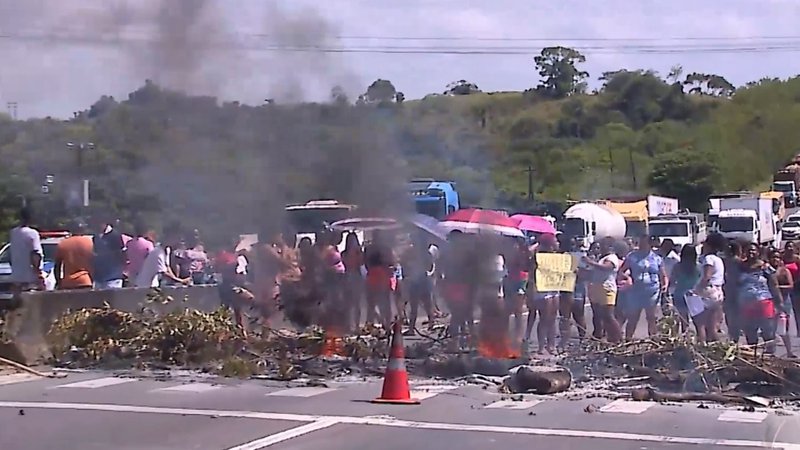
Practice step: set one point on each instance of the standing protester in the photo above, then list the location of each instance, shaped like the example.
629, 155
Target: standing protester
73, 261
353, 258
381, 282
109, 256
516, 286
730, 303
419, 281
456, 282
710, 288
195, 258
759, 299
792, 263
786, 284
603, 291
647, 271
667, 252
156, 269
232, 267
580, 294
136, 251
544, 303
682, 279
26, 255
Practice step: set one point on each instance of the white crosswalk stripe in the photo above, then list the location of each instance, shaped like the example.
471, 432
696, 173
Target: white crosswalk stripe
627, 407
742, 417
98, 383
190, 387
301, 392
511, 404
426, 391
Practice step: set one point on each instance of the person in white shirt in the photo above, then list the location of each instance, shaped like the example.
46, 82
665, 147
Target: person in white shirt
156, 266
668, 254
26, 255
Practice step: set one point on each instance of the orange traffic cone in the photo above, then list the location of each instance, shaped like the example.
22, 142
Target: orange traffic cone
395, 381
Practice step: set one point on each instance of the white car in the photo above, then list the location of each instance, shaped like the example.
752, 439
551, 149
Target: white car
50, 241
790, 231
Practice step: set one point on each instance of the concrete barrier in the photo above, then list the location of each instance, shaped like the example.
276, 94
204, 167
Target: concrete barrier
28, 324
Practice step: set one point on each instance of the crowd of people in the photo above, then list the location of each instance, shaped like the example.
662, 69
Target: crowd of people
101, 256
748, 290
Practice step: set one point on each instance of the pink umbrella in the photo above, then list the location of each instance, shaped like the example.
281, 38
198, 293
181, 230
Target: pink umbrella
473, 220
534, 224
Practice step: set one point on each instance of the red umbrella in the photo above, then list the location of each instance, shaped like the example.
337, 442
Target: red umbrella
534, 224
473, 220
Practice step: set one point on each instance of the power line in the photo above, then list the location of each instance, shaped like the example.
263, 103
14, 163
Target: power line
788, 45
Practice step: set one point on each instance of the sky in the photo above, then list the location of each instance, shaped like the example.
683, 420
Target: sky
60, 56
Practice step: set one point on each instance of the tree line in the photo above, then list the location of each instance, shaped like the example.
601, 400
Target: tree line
163, 156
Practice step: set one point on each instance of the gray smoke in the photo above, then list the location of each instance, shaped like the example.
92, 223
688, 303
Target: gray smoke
84, 49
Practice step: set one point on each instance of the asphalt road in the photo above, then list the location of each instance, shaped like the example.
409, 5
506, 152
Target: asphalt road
100, 411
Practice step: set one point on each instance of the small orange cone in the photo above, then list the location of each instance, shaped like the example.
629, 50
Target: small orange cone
395, 381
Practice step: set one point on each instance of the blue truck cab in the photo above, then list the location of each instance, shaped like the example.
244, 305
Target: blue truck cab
434, 198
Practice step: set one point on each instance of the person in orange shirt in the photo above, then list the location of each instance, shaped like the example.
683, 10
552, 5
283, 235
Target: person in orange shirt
74, 256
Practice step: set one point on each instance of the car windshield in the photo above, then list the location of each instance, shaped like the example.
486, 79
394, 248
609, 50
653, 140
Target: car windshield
49, 249
792, 224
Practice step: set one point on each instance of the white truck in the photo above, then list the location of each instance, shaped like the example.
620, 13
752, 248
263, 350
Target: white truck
749, 219
683, 228
591, 222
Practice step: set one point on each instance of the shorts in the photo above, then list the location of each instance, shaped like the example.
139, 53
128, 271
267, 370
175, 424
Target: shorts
420, 289
580, 293
640, 298
544, 296
600, 295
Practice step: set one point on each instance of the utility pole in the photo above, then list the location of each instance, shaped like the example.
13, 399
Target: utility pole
529, 170
79, 148
12, 109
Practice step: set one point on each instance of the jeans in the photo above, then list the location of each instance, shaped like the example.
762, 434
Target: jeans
109, 284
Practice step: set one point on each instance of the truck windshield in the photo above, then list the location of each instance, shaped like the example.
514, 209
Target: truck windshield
669, 229
732, 224
313, 220
635, 228
574, 226
783, 187
434, 207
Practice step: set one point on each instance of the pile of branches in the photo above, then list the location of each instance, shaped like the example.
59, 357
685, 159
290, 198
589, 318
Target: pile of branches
182, 337
683, 369
205, 340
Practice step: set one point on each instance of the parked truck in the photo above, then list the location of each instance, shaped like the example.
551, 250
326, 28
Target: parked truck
589, 222
637, 211
787, 180
683, 228
434, 198
714, 208
748, 219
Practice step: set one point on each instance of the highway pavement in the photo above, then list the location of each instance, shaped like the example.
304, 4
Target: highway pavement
98, 410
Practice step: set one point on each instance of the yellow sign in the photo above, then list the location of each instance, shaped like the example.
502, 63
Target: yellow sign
555, 272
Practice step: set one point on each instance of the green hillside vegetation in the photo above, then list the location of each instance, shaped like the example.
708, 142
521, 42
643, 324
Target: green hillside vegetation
226, 168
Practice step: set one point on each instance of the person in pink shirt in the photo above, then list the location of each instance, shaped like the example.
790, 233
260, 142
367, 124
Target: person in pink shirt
137, 250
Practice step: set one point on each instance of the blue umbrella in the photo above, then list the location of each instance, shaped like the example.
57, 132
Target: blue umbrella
429, 225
